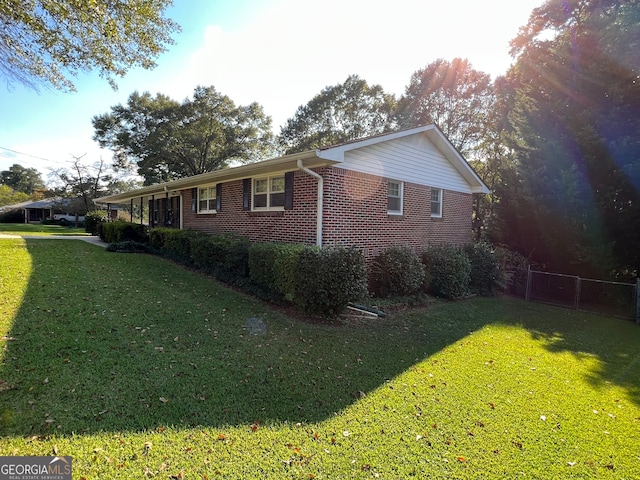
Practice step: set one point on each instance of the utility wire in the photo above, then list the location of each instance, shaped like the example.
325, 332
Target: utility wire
29, 155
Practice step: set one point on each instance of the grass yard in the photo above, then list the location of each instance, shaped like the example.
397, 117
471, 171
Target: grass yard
139, 368
36, 229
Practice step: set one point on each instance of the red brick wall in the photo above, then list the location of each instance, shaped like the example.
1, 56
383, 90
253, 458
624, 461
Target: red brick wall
355, 214
289, 226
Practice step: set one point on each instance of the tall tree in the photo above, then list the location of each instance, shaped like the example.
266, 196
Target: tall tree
167, 140
45, 42
83, 183
575, 203
453, 95
21, 179
8, 196
338, 114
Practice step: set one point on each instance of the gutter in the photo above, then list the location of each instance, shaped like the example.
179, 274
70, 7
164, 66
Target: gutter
320, 200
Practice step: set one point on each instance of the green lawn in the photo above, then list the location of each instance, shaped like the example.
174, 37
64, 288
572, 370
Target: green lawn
36, 229
139, 368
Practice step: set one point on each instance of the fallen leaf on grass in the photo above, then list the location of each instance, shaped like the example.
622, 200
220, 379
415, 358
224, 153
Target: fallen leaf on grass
461, 459
163, 400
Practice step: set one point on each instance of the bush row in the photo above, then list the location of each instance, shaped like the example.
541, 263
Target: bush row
112, 232
446, 271
324, 280
317, 280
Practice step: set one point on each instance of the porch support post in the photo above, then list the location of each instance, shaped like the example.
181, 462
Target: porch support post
131, 210
152, 208
141, 209
166, 209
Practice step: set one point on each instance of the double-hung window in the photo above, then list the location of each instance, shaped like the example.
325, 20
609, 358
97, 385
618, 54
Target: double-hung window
394, 197
436, 202
207, 201
268, 193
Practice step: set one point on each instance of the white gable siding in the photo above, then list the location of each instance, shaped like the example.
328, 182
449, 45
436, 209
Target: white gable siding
412, 159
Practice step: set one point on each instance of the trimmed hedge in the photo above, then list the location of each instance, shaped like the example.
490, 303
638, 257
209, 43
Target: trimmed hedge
327, 279
397, 271
272, 268
175, 243
225, 256
118, 231
450, 270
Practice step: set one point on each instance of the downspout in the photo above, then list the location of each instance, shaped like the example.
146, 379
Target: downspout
320, 200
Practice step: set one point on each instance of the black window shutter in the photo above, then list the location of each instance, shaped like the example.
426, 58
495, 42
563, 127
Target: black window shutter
218, 197
194, 199
288, 191
246, 194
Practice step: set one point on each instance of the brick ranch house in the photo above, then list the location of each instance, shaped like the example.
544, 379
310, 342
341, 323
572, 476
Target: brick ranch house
409, 187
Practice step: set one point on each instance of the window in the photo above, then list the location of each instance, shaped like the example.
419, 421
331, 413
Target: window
436, 202
207, 199
268, 193
394, 197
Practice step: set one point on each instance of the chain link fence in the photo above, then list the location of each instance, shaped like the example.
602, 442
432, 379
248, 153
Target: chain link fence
612, 298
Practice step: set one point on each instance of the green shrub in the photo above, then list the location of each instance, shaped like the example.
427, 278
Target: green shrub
327, 279
397, 271
484, 267
449, 269
262, 259
272, 268
286, 262
93, 219
226, 256
157, 237
174, 243
120, 231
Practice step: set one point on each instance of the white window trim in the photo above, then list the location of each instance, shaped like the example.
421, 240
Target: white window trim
441, 191
268, 208
207, 211
400, 194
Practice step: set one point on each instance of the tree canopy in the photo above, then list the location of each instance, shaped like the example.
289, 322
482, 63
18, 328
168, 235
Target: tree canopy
45, 42
21, 179
167, 140
452, 95
8, 196
338, 114
574, 203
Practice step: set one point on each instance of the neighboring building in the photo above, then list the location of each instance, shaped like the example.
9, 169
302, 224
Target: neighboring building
55, 208
410, 187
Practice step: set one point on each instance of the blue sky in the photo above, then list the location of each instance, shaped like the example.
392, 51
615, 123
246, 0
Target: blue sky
279, 53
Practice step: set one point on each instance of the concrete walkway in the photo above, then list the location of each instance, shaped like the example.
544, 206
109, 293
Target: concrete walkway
90, 239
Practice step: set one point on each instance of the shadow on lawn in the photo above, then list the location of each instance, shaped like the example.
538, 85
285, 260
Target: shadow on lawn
118, 342
613, 341
130, 342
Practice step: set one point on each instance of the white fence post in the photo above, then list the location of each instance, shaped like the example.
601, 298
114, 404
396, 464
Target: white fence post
528, 288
